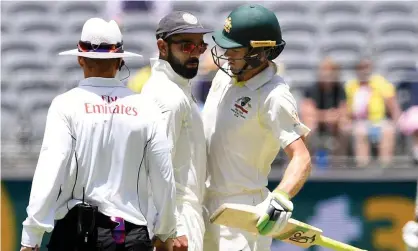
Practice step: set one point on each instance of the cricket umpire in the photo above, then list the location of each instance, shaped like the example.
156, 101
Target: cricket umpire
102, 145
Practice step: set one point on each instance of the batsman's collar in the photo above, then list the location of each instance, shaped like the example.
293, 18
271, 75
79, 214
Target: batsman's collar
260, 79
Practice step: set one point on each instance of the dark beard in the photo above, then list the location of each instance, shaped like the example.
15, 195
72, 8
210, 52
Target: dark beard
181, 69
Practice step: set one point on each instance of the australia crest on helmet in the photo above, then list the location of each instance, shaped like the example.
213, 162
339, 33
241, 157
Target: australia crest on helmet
228, 24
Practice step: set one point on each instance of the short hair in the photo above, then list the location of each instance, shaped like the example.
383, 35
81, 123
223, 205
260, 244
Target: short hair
105, 65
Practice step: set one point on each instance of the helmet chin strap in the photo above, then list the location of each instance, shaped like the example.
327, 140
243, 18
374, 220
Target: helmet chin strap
253, 59
244, 68
253, 62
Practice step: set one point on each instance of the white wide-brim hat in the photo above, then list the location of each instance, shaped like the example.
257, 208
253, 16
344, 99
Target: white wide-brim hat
96, 32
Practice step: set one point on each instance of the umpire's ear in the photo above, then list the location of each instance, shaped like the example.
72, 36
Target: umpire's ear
81, 61
162, 48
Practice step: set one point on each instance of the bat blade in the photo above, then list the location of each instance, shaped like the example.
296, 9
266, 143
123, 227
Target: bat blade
245, 217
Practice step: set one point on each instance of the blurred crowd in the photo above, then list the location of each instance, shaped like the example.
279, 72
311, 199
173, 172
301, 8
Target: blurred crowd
363, 113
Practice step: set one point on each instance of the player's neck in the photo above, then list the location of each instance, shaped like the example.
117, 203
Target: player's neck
251, 73
95, 74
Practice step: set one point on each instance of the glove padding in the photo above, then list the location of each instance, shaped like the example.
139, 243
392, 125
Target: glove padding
277, 210
410, 234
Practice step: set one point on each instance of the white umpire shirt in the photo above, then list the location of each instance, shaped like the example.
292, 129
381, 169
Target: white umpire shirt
184, 128
102, 138
246, 124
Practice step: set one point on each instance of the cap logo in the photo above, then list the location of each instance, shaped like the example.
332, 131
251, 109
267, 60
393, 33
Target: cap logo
228, 24
189, 18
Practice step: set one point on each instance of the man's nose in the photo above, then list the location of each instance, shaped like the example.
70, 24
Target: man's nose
195, 53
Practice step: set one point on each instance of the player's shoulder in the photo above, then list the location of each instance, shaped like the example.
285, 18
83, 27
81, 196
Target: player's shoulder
277, 93
276, 81
65, 99
162, 84
276, 87
145, 105
158, 81
221, 77
165, 92
220, 73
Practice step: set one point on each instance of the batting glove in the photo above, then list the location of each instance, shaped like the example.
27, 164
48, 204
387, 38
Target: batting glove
277, 210
410, 235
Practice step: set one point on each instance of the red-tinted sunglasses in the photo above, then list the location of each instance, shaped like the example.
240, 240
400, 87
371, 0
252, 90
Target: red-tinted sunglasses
189, 47
110, 48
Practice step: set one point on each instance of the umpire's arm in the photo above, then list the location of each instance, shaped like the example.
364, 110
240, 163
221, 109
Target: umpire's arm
162, 181
49, 175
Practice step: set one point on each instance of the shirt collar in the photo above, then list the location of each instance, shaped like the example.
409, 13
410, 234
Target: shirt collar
159, 65
100, 82
260, 79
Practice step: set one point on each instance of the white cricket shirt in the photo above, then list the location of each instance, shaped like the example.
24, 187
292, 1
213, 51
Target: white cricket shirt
102, 137
245, 127
184, 128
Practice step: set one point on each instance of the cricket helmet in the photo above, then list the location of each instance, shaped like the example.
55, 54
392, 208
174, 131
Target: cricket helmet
252, 26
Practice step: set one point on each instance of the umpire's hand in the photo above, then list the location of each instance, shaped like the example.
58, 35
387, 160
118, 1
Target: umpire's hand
163, 246
180, 243
277, 210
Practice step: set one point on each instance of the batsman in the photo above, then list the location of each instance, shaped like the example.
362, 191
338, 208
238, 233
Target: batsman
248, 116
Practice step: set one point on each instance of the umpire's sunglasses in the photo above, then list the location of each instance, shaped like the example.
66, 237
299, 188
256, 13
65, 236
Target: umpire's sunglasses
103, 47
189, 47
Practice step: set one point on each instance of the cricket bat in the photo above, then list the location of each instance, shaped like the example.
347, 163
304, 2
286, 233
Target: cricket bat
245, 217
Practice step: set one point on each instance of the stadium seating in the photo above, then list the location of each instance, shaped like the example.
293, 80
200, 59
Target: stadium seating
340, 9
392, 8
194, 7
33, 32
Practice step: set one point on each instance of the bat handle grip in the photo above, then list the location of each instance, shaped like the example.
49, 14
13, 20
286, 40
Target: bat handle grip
336, 245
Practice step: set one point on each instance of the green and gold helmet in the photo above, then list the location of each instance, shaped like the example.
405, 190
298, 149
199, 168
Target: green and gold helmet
252, 26
247, 23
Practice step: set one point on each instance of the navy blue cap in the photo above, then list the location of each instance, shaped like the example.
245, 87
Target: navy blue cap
178, 22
